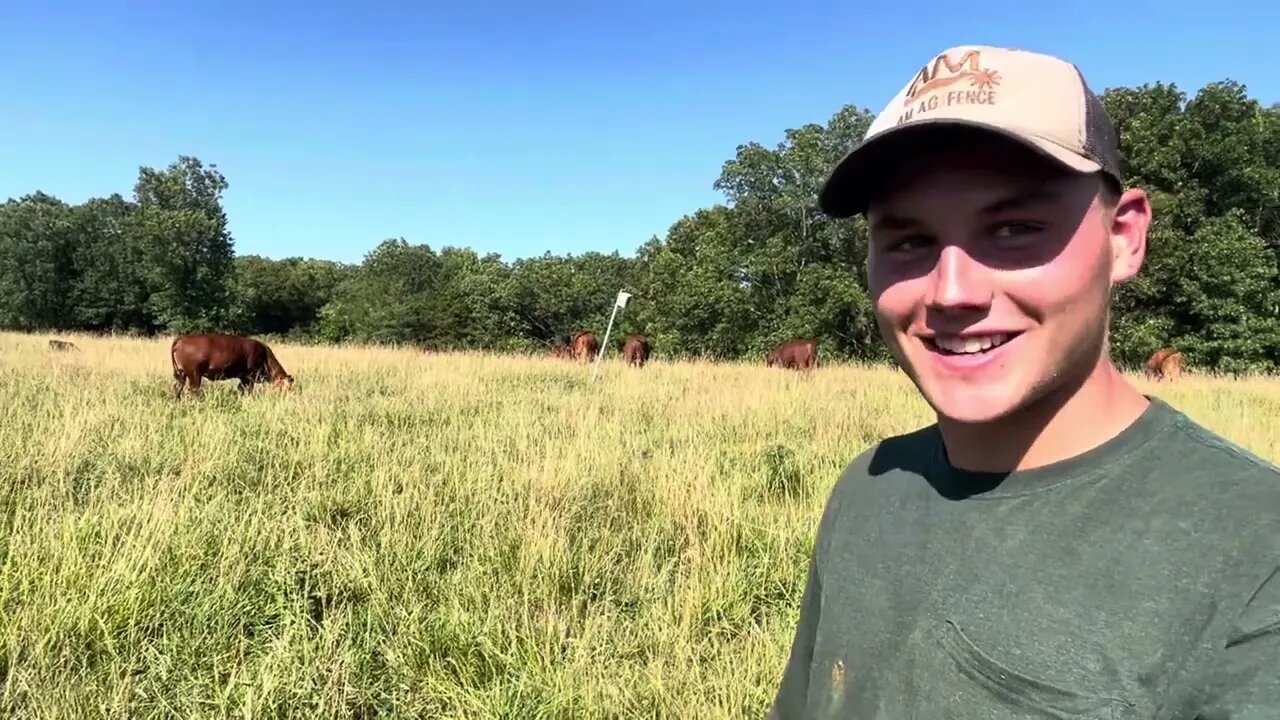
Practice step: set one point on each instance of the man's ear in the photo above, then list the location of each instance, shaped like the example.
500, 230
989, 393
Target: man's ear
1127, 225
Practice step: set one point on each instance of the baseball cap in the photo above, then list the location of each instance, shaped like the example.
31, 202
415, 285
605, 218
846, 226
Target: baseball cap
1038, 100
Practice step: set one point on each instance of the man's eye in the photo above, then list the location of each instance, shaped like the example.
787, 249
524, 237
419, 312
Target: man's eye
1016, 229
909, 243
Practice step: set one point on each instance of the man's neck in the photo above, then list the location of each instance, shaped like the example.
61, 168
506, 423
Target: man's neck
1052, 429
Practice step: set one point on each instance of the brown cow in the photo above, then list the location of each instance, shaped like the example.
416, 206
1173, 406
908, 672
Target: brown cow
636, 350
215, 356
585, 345
795, 354
62, 345
1164, 363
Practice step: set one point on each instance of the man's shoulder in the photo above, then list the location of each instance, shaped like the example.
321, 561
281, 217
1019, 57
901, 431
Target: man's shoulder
911, 452
1211, 441
891, 466
1191, 451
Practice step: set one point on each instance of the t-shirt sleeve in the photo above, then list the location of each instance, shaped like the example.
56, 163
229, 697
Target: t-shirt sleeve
790, 700
1247, 676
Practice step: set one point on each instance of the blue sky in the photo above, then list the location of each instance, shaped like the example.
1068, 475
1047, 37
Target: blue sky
556, 126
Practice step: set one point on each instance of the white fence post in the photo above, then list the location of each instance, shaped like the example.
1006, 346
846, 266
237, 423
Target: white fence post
619, 302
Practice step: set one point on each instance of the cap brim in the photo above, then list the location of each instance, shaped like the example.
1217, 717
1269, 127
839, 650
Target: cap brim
862, 173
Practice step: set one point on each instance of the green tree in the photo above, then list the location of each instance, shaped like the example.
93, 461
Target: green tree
552, 297
699, 286
110, 289
37, 266
282, 296
387, 300
186, 250
1212, 167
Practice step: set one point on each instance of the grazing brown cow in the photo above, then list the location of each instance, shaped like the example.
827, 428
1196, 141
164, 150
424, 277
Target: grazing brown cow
585, 345
636, 350
795, 354
215, 356
62, 345
1164, 363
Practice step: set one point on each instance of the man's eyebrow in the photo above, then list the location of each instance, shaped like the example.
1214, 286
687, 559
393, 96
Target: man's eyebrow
1044, 194
890, 222
1038, 196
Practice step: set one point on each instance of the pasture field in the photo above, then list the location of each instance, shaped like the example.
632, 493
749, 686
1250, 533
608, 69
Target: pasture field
421, 535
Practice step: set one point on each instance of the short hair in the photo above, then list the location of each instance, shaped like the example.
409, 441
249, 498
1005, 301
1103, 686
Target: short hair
1110, 192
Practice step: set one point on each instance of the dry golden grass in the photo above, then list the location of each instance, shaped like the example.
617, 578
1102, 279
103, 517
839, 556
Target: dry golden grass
427, 535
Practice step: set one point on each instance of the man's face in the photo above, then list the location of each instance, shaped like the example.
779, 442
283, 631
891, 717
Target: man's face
990, 271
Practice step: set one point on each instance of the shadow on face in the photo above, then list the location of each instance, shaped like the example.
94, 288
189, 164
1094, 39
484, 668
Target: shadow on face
1003, 206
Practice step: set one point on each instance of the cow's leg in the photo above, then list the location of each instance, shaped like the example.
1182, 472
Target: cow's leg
179, 380
246, 386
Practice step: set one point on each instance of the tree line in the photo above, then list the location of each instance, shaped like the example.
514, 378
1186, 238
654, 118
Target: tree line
728, 281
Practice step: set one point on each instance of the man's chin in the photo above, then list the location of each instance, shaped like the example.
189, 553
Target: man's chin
970, 405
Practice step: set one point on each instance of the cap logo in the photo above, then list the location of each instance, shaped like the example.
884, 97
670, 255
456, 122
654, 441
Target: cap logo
941, 73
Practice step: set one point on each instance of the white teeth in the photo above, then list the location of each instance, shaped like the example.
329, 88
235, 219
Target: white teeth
971, 344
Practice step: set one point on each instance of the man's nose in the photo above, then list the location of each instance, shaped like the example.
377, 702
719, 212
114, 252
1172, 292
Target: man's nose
958, 281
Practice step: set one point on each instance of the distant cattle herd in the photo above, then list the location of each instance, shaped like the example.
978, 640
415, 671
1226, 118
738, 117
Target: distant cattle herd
219, 356
584, 346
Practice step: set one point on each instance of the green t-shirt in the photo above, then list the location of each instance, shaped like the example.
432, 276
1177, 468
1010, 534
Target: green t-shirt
1140, 579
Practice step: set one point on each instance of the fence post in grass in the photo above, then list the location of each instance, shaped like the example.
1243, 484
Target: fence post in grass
620, 302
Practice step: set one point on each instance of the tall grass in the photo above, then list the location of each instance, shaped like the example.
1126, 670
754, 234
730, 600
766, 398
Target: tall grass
419, 535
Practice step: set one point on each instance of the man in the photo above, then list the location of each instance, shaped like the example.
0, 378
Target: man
1057, 544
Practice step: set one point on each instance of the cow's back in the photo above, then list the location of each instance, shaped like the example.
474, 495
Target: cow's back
636, 349
806, 353
218, 354
1171, 365
585, 344
799, 354
1155, 364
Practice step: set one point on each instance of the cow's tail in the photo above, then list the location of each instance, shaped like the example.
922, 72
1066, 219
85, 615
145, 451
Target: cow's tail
173, 356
